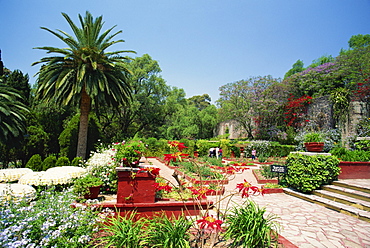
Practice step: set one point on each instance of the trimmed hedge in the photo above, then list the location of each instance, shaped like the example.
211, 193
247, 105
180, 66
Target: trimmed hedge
307, 173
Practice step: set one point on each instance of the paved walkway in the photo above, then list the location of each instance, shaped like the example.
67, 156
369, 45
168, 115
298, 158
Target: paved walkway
302, 223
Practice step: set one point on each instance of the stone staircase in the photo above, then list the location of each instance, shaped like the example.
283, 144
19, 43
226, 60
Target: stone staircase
351, 197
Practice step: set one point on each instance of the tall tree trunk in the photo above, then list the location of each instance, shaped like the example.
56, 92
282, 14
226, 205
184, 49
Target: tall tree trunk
84, 124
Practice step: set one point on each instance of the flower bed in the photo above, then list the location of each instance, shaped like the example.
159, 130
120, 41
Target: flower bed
261, 179
200, 181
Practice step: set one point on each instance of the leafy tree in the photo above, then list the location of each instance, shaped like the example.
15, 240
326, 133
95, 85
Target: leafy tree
12, 113
84, 74
36, 141
146, 113
19, 82
297, 67
191, 123
359, 41
201, 102
252, 102
52, 118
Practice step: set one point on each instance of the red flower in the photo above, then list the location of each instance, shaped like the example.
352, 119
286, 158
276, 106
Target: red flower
152, 170
175, 156
230, 170
247, 189
210, 222
201, 192
162, 186
178, 145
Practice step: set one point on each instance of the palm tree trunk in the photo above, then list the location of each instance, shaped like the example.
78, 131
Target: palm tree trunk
84, 124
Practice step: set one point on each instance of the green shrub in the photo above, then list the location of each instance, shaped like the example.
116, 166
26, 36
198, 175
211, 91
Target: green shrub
277, 150
363, 145
351, 155
63, 161
35, 163
307, 173
49, 162
248, 227
156, 148
76, 161
204, 146
212, 161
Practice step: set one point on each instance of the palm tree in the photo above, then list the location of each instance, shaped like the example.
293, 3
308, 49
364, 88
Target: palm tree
84, 74
12, 113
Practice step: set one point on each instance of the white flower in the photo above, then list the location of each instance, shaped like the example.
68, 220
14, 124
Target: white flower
10, 175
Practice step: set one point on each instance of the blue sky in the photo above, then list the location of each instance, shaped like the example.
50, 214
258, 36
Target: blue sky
200, 44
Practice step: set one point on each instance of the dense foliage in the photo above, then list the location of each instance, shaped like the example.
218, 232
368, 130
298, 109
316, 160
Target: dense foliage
307, 173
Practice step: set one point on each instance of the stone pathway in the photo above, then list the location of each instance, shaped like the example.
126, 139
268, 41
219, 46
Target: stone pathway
303, 223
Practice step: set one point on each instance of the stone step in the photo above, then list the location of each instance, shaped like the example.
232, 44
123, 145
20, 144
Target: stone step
336, 206
357, 184
343, 198
353, 193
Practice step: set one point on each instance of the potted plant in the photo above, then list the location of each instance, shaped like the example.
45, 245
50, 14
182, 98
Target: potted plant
129, 153
87, 186
313, 141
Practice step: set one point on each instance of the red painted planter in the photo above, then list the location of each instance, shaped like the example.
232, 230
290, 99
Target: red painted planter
94, 193
273, 191
354, 170
136, 193
135, 188
314, 146
170, 208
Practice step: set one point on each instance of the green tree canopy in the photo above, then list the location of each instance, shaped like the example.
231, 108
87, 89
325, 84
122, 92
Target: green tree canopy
201, 102
359, 41
297, 67
252, 102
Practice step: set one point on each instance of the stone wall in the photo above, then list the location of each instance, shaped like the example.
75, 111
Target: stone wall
232, 127
320, 112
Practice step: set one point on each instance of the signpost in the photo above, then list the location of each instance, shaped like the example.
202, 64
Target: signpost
279, 169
